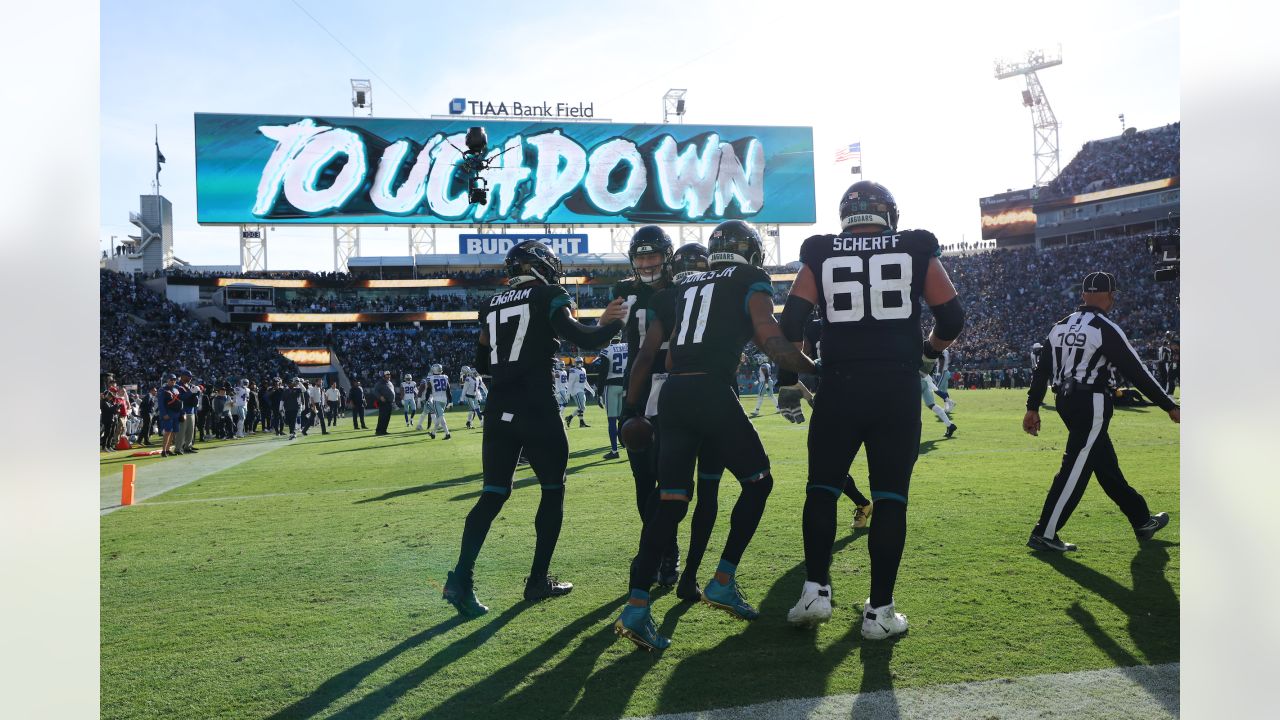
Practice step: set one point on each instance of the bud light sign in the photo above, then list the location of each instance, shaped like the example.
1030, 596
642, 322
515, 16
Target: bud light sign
470, 244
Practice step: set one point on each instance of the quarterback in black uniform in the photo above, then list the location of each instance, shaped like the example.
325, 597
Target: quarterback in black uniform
716, 312
650, 254
519, 331
868, 280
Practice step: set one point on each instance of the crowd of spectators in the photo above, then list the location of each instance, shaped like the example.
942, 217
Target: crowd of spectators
142, 336
1133, 157
365, 352
1011, 298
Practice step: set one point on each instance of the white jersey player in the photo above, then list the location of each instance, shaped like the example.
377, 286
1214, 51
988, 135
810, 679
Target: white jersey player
409, 398
562, 384
927, 389
473, 392
240, 406
615, 370
439, 400
578, 387
765, 377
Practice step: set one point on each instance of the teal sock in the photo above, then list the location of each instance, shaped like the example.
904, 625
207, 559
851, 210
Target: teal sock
640, 595
727, 568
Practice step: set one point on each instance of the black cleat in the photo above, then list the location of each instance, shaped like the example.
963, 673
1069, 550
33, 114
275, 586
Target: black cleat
688, 589
1151, 526
547, 587
611, 455
461, 594
669, 568
568, 421
582, 424
951, 430
1039, 542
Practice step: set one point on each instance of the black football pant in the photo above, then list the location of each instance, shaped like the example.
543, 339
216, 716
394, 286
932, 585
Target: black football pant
357, 418
701, 411
876, 406
384, 418
1089, 452
528, 418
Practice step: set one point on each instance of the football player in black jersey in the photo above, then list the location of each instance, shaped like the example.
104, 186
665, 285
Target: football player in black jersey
520, 329
715, 313
650, 254
812, 346
868, 280
688, 258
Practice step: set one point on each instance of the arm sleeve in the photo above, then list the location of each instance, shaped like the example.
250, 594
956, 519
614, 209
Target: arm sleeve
1040, 378
1116, 348
584, 336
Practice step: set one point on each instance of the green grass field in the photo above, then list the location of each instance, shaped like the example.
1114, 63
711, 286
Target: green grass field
306, 582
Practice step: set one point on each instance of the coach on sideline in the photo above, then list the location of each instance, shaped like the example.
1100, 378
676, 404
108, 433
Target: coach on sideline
1079, 355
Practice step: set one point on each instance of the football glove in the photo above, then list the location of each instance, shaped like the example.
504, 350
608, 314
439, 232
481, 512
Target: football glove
789, 403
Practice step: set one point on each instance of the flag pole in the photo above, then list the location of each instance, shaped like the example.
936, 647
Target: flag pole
157, 128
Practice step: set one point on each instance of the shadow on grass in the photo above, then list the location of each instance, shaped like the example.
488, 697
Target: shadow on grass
729, 674
369, 447
347, 680
472, 477
546, 693
378, 701
1151, 606
927, 446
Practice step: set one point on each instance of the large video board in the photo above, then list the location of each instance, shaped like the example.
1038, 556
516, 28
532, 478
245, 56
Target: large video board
264, 169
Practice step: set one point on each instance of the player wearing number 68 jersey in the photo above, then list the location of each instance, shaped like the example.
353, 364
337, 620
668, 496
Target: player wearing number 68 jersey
868, 281
520, 330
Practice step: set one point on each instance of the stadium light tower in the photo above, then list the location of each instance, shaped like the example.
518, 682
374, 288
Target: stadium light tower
361, 96
673, 105
1043, 121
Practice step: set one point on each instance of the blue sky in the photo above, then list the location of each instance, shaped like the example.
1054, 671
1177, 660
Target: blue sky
913, 84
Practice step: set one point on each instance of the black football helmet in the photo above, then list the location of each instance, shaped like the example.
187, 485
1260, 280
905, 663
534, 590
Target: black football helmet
868, 203
735, 241
690, 257
651, 239
532, 258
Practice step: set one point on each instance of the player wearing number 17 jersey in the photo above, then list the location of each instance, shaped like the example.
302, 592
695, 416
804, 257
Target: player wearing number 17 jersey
868, 280
520, 329
716, 312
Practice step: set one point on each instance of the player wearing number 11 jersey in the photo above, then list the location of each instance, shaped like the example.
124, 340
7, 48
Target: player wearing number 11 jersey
716, 312
868, 281
520, 329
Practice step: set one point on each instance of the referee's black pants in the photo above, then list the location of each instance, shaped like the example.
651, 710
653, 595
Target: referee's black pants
384, 417
1087, 416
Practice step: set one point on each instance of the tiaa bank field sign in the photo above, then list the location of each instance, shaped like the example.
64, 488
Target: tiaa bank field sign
471, 244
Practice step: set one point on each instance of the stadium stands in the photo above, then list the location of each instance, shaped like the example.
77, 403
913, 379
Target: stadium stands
1130, 158
142, 335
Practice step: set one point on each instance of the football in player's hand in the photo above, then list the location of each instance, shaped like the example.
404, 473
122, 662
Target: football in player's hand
637, 434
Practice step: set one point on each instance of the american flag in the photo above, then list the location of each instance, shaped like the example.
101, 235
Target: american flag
853, 151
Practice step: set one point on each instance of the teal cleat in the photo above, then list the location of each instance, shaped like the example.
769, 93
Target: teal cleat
461, 594
636, 624
728, 598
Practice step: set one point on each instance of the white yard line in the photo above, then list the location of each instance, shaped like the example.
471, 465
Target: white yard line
156, 478
1149, 692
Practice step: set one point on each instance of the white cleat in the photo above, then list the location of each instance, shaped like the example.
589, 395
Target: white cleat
882, 622
814, 606
950, 406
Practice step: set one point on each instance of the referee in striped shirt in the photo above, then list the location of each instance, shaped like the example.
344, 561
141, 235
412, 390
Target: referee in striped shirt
1078, 356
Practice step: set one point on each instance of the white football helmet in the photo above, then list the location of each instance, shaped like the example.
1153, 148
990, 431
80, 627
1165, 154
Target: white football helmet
436, 369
